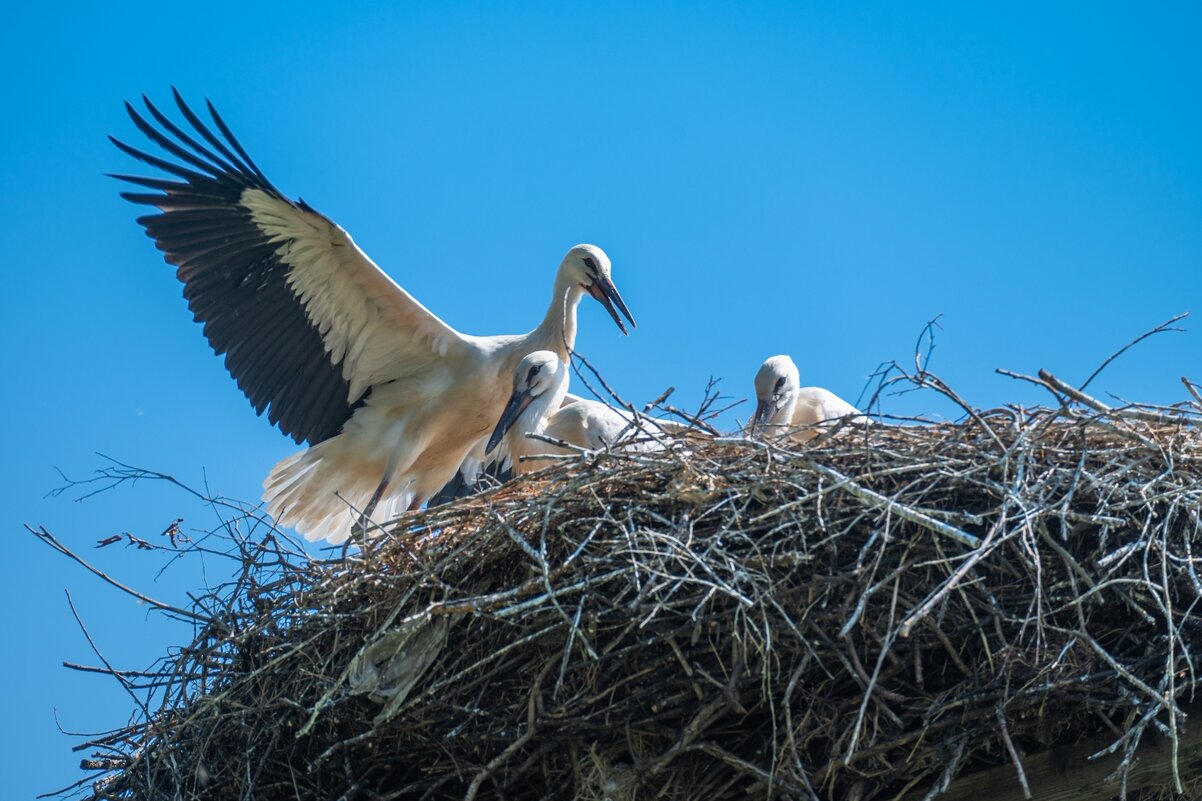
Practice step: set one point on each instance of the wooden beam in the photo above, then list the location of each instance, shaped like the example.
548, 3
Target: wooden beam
1065, 774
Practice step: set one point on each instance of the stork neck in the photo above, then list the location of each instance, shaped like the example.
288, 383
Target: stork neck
784, 416
541, 408
557, 332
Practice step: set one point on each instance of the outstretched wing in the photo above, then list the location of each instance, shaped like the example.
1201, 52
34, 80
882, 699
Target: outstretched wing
307, 322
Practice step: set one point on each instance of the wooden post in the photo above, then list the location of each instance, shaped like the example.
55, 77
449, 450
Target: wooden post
1065, 774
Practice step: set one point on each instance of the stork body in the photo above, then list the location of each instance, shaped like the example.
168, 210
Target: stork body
785, 408
391, 399
537, 406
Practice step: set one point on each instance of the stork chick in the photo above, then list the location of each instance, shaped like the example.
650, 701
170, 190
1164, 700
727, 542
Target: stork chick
785, 408
540, 384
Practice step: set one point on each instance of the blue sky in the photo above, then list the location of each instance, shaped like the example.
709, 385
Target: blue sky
814, 179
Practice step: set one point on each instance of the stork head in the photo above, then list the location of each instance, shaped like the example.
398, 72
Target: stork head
588, 266
776, 386
538, 381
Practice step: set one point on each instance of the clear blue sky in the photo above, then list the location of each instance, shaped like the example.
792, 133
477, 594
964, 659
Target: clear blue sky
815, 179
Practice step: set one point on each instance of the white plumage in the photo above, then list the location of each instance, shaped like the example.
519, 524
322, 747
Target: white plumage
540, 405
391, 399
785, 408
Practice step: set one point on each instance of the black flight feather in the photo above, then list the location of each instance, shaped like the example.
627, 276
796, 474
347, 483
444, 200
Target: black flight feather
235, 282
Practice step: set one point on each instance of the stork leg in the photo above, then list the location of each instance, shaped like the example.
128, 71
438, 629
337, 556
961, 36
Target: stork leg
365, 515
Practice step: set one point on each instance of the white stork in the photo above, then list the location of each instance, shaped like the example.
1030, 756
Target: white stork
540, 404
390, 399
785, 408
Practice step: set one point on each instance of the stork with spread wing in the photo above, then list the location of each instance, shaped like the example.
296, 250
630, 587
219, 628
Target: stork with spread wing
390, 399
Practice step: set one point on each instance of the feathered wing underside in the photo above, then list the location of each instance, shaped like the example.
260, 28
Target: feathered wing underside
299, 493
307, 322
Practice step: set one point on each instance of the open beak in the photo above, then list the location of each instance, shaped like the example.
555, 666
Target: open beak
604, 290
518, 402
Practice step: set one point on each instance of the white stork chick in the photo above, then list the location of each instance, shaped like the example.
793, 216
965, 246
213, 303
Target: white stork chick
540, 384
785, 408
391, 399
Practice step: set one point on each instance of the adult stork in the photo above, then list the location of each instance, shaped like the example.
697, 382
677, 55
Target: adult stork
785, 408
390, 399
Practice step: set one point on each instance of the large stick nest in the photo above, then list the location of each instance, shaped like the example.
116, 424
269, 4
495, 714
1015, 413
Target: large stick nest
874, 613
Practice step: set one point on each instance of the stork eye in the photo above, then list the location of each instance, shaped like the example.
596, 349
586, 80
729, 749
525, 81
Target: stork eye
780, 382
533, 372
591, 264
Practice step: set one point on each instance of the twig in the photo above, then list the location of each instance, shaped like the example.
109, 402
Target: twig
1163, 327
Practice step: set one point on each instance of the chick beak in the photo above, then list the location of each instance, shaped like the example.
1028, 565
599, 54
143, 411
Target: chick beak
763, 411
518, 402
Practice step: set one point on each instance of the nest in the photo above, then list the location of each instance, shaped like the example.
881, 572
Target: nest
869, 616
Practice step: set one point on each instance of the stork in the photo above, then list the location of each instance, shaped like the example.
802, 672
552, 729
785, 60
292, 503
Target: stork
390, 399
540, 405
785, 408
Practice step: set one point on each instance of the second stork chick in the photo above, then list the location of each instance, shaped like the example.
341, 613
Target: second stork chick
540, 404
785, 408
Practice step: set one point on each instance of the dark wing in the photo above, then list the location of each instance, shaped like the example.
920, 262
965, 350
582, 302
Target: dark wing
307, 322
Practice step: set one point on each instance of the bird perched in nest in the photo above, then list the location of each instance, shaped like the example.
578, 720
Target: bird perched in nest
785, 408
540, 404
391, 400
